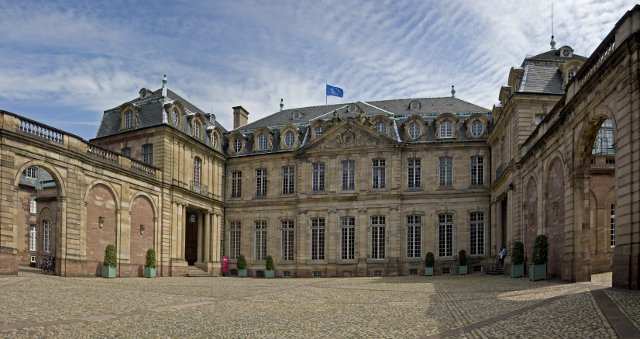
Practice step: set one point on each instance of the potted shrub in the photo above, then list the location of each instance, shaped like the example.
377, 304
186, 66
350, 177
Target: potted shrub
517, 260
109, 263
429, 260
538, 268
462, 262
241, 264
271, 268
150, 264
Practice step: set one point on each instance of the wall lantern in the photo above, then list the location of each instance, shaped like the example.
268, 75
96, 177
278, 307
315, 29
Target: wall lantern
141, 229
101, 222
192, 218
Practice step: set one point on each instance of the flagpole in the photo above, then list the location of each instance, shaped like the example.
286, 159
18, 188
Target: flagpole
325, 92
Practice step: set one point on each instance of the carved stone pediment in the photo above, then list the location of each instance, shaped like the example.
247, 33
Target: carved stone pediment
349, 135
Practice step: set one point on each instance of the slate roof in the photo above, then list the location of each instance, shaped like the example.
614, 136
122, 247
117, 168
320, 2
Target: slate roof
542, 74
151, 113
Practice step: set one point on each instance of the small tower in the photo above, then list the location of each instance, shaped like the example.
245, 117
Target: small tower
281, 104
553, 43
453, 92
164, 86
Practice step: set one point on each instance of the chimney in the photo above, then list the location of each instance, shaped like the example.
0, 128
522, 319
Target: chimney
240, 117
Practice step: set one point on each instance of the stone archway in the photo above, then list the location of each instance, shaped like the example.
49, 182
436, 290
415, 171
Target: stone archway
101, 225
531, 214
555, 217
142, 232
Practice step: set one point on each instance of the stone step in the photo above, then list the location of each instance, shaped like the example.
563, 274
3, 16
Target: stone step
193, 271
496, 271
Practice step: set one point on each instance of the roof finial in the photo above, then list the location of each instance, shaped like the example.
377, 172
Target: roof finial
553, 43
281, 104
453, 92
164, 86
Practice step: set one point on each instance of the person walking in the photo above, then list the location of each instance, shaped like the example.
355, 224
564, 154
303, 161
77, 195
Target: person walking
502, 255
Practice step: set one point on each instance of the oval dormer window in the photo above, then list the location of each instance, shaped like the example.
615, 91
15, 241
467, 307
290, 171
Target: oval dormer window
477, 128
237, 145
414, 131
352, 108
288, 139
175, 117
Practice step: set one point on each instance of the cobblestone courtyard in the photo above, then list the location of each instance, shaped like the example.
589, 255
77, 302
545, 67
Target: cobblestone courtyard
474, 306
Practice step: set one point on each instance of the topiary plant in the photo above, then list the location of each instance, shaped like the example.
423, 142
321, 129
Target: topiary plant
270, 265
462, 258
110, 258
429, 259
517, 253
241, 263
540, 250
151, 258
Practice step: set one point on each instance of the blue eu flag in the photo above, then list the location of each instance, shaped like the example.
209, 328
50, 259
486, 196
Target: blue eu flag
335, 91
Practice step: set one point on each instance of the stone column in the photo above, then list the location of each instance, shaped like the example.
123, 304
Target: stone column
200, 247
174, 230
208, 241
181, 230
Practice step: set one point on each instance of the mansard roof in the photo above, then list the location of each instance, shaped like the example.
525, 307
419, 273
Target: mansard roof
542, 73
151, 112
398, 109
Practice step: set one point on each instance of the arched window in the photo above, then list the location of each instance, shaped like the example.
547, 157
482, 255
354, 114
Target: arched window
381, 127
288, 139
196, 129
476, 128
446, 130
414, 131
214, 140
262, 142
237, 145
175, 117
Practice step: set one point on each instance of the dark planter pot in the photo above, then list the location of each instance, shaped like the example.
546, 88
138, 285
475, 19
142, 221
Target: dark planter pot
242, 273
537, 272
462, 270
270, 274
517, 271
428, 271
149, 272
108, 272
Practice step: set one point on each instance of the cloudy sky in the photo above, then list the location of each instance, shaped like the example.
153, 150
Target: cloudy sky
64, 63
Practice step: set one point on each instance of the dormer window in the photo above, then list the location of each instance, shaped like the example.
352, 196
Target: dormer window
196, 129
352, 108
381, 127
289, 139
214, 140
414, 131
237, 145
446, 129
317, 131
128, 119
477, 128
297, 115
175, 117
571, 73
262, 142
414, 105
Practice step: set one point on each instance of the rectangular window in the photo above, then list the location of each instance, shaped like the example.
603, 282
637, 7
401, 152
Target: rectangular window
477, 233
33, 206
31, 172
286, 242
46, 236
288, 178
147, 154
347, 238
261, 240
317, 177
197, 171
317, 239
445, 235
33, 236
348, 174
612, 225
377, 237
234, 240
477, 171
413, 173
261, 182
379, 175
446, 171
414, 236
236, 184
126, 151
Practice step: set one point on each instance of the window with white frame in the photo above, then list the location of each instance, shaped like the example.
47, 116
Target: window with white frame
347, 238
317, 177
197, 171
445, 235
46, 236
379, 173
33, 238
378, 225
414, 131
128, 119
317, 238
446, 129
476, 228
477, 128
288, 180
33, 206
237, 145
289, 139
261, 240
261, 182
236, 184
147, 154
446, 171
31, 172
414, 170
234, 240
612, 225
348, 174
414, 236
477, 171
286, 241
317, 131
381, 127
262, 142
196, 129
